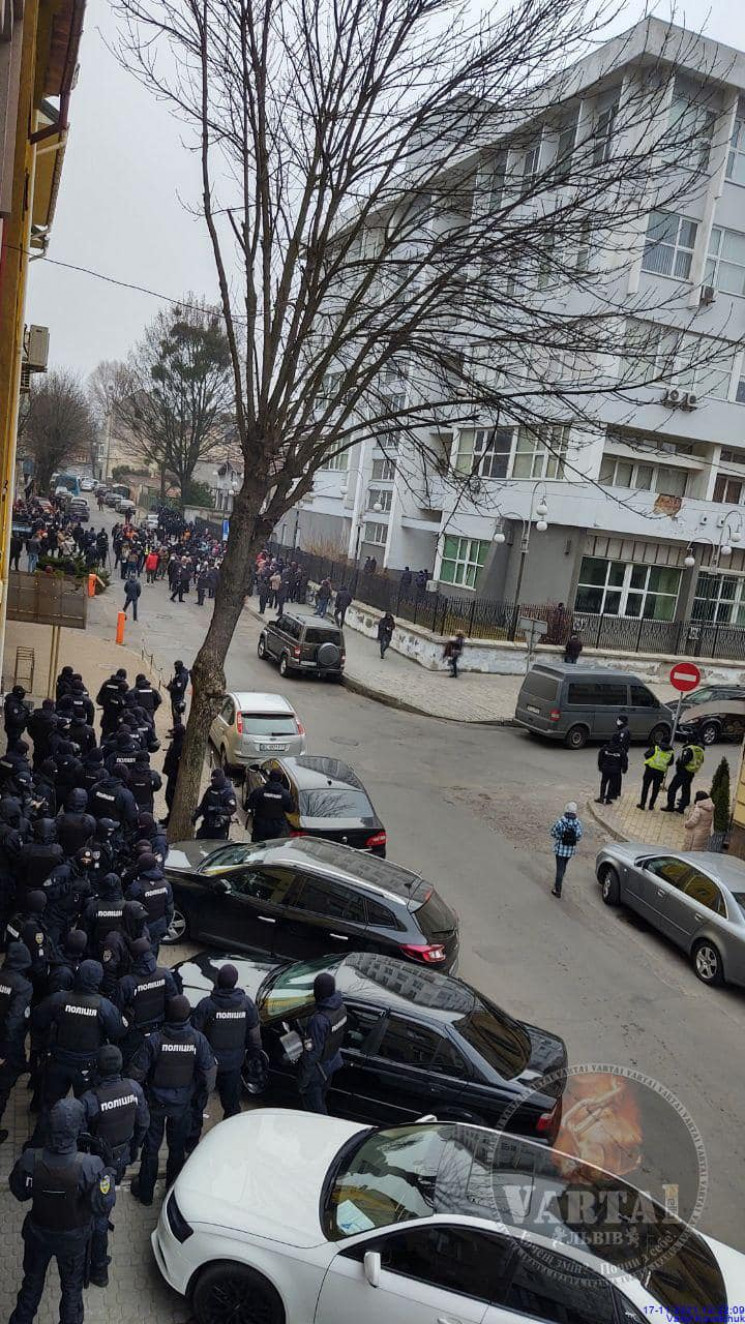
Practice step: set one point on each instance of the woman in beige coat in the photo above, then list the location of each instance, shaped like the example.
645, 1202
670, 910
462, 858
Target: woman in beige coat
699, 824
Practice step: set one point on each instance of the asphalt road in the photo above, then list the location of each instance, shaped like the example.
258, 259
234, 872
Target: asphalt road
470, 807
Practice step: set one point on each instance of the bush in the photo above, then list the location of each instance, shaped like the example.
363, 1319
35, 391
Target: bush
720, 794
72, 567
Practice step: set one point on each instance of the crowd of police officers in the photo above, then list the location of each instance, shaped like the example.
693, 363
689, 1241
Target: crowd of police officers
116, 1058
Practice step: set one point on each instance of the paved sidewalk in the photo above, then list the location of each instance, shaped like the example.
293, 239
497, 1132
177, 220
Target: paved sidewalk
625, 822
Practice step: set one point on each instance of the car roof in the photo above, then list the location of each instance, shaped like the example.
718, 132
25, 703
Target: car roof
370, 975
371, 874
730, 872
318, 622
256, 701
586, 669
319, 772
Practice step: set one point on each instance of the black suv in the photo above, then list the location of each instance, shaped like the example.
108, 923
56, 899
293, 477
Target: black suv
303, 898
304, 643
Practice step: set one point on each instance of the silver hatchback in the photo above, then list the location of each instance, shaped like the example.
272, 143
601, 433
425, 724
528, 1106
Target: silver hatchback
697, 899
251, 727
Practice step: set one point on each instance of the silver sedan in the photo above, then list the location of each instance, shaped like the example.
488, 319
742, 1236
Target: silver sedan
696, 899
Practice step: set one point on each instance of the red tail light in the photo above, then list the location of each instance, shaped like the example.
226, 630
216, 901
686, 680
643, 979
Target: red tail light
294, 833
430, 953
377, 839
296, 651
300, 728
239, 723
548, 1123
555, 714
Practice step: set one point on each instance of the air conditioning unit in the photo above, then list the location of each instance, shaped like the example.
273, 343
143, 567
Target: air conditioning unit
37, 348
708, 294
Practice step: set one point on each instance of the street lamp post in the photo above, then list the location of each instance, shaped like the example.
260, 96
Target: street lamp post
537, 512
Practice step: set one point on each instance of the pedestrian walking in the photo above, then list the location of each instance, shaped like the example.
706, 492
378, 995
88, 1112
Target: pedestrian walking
151, 566
33, 549
572, 648
323, 598
612, 764
342, 604
452, 653
657, 760
132, 591
699, 823
690, 760
386, 626
202, 584
567, 834
177, 687
322, 1042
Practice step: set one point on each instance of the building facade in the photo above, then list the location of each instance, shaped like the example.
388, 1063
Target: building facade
640, 515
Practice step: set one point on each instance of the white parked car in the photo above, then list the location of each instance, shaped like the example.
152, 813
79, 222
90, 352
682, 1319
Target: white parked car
251, 727
284, 1217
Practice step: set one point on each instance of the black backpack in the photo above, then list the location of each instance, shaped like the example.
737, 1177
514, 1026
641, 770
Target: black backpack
569, 835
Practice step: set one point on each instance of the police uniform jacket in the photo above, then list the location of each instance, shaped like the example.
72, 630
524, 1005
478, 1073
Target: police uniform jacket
321, 1055
81, 1020
229, 1020
153, 889
116, 1113
171, 1063
67, 1189
16, 991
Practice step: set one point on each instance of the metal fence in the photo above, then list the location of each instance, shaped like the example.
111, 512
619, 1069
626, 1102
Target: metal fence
679, 638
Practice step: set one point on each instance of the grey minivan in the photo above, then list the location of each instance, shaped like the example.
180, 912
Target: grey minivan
577, 703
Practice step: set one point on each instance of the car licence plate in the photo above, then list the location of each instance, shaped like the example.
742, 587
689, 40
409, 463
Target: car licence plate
274, 749
531, 709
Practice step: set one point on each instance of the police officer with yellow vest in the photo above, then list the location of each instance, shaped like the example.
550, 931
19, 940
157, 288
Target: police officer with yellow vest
657, 760
322, 1043
690, 761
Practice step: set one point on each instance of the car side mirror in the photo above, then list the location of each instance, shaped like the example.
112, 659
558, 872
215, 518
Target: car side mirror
222, 886
372, 1267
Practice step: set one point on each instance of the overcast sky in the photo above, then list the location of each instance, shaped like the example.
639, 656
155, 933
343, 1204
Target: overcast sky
120, 208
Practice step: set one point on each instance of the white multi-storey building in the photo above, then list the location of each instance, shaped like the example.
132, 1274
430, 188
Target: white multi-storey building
645, 509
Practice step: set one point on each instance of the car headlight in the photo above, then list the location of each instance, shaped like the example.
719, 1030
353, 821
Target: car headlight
176, 1221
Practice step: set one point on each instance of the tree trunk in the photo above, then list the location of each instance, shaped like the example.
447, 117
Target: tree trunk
247, 530
163, 482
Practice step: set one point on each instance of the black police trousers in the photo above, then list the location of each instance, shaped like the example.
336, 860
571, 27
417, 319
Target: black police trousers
9, 1073
228, 1086
60, 1076
40, 1248
175, 1125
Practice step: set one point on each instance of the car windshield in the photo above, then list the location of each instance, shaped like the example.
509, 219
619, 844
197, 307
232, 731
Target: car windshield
322, 637
229, 857
499, 1040
700, 696
260, 725
291, 987
410, 1172
335, 803
739, 897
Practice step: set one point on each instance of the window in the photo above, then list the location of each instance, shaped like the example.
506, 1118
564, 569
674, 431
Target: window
228, 711
553, 1287
376, 534
263, 884
528, 169
566, 139
383, 470
603, 137
671, 240
462, 558
705, 892
691, 124
728, 490
641, 697
361, 1021
332, 900
719, 600
640, 476
377, 497
670, 871
484, 451
456, 1259
725, 265
410, 1044
618, 588
540, 453
335, 802
339, 462
236, 853
259, 724
597, 694
736, 158
584, 246
379, 915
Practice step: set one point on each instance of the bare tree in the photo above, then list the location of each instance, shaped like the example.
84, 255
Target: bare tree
404, 204
59, 424
180, 391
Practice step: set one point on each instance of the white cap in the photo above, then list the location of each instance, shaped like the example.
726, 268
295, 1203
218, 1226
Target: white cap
571, 808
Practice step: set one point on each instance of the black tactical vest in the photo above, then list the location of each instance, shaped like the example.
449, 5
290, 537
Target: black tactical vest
154, 899
7, 990
141, 786
149, 1000
108, 920
337, 1019
115, 1123
103, 803
78, 1027
175, 1062
226, 1028
58, 1204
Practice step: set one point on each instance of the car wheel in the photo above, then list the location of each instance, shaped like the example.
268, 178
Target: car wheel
235, 1294
609, 886
261, 647
284, 669
576, 737
659, 733
707, 962
179, 930
709, 733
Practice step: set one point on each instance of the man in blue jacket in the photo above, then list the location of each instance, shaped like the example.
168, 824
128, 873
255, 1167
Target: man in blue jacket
323, 1038
80, 1022
230, 1023
68, 1190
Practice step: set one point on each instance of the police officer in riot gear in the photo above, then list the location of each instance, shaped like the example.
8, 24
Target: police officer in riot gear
144, 781
107, 841
16, 990
150, 831
28, 927
104, 913
268, 806
147, 697
111, 698
116, 1121
216, 808
142, 996
177, 687
38, 857
116, 957
16, 715
230, 1022
75, 826
322, 1043
80, 1022
45, 789
64, 963
68, 1190
153, 889
172, 1063
93, 770
112, 798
